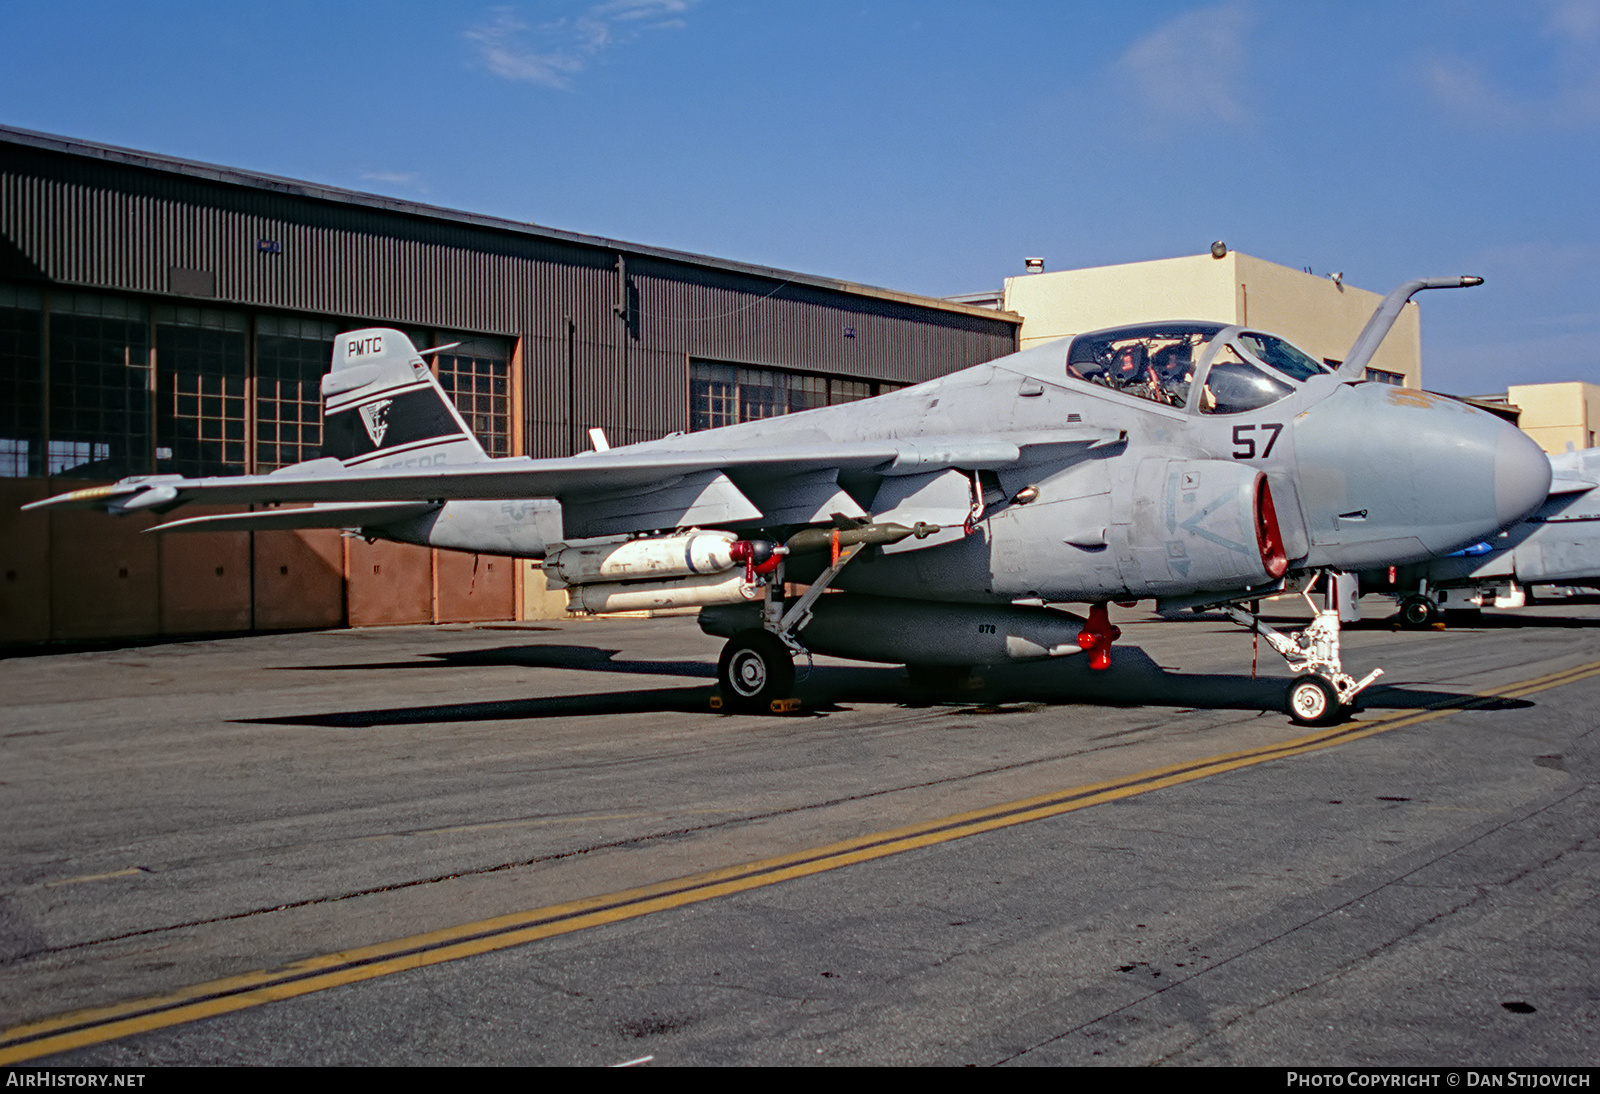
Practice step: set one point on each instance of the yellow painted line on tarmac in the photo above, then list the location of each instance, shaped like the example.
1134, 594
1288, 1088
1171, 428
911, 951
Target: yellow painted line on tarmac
87, 1027
129, 872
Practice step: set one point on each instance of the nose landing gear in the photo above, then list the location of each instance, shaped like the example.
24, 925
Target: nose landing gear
1322, 691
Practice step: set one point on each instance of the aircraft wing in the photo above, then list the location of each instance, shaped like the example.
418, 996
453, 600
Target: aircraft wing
617, 490
1574, 480
1574, 472
358, 514
1571, 485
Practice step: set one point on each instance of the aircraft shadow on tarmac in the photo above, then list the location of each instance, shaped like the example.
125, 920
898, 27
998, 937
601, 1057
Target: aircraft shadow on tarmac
588, 658
1454, 620
1134, 681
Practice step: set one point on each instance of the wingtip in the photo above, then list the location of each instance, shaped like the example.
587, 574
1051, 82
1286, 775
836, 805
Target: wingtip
87, 496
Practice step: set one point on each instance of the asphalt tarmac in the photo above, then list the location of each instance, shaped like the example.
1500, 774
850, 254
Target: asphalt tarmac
537, 844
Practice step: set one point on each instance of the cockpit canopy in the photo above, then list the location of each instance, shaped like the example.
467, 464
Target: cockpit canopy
1211, 368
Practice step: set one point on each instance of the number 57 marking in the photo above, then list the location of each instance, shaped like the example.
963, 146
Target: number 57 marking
1244, 448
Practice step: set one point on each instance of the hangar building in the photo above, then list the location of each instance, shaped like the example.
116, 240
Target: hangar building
160, 315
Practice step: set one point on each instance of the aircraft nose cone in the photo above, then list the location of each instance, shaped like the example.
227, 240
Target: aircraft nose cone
1391, 475
1521, 476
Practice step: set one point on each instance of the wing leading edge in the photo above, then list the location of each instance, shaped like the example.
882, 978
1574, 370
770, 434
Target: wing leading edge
620, 490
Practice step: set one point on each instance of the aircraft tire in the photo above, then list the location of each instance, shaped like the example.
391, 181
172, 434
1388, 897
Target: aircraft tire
1312, 701
1417, 612
755, 668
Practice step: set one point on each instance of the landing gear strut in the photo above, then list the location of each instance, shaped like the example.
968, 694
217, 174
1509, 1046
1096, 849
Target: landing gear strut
757, 666
1322, 691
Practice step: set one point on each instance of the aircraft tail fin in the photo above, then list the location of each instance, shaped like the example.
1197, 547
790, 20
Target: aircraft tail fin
383, 407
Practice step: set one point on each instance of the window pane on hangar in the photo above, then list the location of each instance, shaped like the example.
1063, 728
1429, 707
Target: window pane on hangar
713, 395
762, 394
477, 377
728, 394
291, 357
849, 391
201, 362
99, 387
21, 382
806, 392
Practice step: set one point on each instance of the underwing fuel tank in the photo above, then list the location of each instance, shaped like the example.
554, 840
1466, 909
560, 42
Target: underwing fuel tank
1391, 475
919, 632
689, 555
682, 571
729, 587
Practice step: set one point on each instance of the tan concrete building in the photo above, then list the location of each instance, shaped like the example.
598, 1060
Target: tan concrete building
1557, 415
1320, 315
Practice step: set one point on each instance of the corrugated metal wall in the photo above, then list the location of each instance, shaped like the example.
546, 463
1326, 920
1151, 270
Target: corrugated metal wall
96, 222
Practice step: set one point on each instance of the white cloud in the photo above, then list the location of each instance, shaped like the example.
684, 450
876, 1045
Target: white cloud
1563, 90
398, 178
1190, 68
554, 52
1574, 20
1462, 87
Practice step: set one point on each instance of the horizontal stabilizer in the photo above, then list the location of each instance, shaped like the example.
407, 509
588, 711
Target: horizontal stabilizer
354, 515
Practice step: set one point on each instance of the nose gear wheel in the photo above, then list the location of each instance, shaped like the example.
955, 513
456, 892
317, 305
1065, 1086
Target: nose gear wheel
1312, 701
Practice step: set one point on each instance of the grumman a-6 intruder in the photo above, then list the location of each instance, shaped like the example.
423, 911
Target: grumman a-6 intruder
1195, 463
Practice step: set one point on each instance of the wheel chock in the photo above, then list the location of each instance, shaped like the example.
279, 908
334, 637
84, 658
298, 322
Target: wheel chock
777, 706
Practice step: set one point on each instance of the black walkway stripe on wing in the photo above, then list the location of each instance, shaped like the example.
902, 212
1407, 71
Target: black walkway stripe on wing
87, 1027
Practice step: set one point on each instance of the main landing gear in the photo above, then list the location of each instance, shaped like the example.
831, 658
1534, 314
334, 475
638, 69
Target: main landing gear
756, 669
1322, 691
1418, 612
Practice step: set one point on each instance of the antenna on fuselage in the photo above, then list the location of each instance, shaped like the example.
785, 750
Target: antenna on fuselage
1377, 328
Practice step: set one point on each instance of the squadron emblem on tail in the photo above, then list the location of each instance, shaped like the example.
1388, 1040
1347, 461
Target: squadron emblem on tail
375, 416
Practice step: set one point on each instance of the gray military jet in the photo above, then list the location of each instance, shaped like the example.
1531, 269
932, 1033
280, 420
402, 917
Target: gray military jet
1558, 545
1195, 463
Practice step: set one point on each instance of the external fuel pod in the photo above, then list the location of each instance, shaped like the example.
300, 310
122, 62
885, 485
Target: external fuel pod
679, 592
920, 632
691, 554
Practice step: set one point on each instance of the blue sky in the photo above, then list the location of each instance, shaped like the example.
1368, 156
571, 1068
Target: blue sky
925, 147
